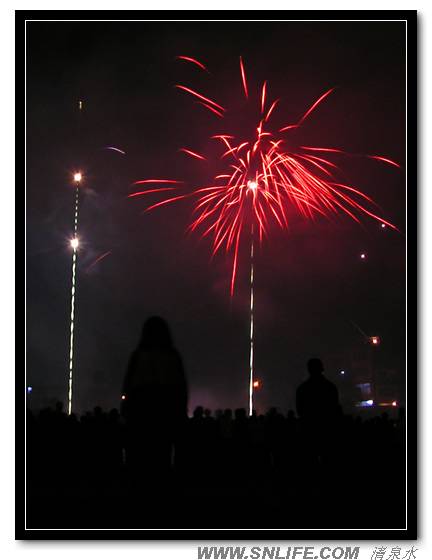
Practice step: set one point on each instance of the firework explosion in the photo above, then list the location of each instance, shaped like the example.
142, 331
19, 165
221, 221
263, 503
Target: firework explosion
261, 179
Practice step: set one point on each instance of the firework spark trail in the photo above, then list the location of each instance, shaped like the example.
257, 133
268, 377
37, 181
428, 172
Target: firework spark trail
194, 61
199, 96
193, 154
73, 290
98, 259
284, 179
243, 75
261, 182
302, 180
114, 149
251, 332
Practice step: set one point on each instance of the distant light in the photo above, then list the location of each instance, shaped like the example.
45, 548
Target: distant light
80, 105
74, 243
77, 177
252, 185
29, 389
383, 226
363, 256
123, 397
256, 384
342, 372
375, 340
364, 404
393, 403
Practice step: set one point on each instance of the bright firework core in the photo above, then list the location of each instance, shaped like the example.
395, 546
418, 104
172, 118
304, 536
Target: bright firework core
303, 178
77, 177
74, 243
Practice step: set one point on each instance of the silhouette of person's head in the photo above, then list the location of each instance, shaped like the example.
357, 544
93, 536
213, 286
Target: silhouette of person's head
198, 412
240, 414
156, 334
315, 367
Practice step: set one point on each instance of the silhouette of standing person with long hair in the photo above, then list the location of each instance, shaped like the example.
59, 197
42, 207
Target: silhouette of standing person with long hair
155, 401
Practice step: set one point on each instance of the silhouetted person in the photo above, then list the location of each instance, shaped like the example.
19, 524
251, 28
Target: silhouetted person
317, 398
155, 403
317, 403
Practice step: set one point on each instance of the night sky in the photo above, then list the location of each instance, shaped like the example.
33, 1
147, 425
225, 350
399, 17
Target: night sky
310, 282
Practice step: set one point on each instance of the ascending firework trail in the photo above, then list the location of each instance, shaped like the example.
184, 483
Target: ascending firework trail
261, 181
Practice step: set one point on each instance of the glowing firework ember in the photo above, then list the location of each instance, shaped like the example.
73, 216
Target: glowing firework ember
114, 149
262, 180
98, 259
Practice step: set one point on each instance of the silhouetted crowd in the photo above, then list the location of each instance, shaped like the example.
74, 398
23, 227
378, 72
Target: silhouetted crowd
222, 455
150, 465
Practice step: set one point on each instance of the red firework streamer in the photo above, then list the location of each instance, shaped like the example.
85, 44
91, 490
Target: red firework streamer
193, 61
262, 179
98, 259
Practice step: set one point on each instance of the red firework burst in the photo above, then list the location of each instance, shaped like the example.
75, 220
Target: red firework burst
262, 178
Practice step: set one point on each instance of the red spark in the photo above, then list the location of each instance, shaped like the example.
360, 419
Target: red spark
312, 149
263, 96
148, 191
210, 108
261, 180
156, 181
270, 111
243, 76
98, 260
206, 99
193, 154
385, 160
194, 61
315, 105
